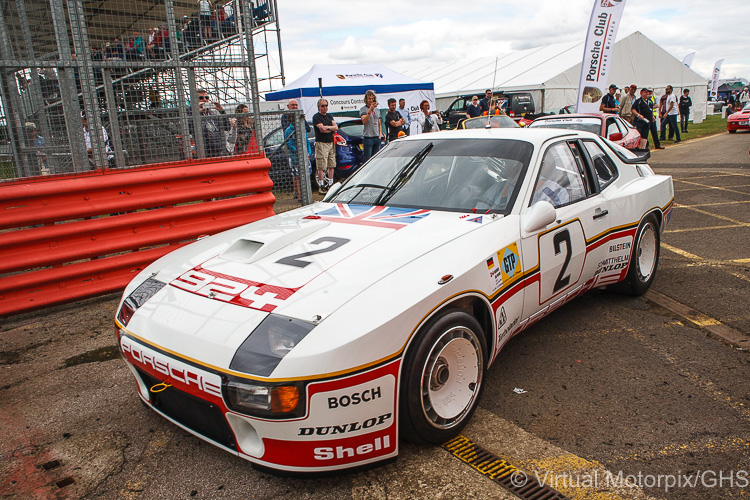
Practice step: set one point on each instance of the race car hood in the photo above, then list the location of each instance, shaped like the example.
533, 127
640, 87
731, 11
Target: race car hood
303, 264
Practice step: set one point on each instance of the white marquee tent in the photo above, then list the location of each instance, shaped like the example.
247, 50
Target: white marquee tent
551, 74
344, 86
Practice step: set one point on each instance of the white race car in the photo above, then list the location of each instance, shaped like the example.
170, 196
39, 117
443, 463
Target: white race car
315, 339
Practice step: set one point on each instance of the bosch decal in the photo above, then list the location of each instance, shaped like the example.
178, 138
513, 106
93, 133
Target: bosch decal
355, 398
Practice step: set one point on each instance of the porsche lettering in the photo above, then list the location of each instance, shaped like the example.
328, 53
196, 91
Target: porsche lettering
170, 370
355, 398
344, 428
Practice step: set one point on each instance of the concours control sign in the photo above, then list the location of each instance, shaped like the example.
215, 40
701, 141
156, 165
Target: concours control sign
597, 53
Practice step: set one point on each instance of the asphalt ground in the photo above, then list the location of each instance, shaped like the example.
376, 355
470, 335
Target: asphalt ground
609, 397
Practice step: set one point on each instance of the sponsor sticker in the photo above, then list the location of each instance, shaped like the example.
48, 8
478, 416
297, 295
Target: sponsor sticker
510, 261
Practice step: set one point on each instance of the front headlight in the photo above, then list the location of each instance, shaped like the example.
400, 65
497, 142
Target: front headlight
260, 354
262, 400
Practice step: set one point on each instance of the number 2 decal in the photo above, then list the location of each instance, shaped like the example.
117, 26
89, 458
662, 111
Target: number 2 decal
296, 260
562, 280
562, 254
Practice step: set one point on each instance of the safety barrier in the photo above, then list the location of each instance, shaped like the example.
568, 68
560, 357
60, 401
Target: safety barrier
67, 238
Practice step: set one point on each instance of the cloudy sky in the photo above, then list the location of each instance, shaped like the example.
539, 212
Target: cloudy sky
415, 33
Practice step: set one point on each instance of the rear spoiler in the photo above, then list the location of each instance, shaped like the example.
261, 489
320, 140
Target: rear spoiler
643, 156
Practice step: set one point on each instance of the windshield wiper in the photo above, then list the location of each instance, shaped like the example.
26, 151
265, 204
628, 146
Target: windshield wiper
399, 180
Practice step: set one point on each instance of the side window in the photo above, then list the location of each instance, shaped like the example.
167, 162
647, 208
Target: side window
612, 127
623, 126
559, 180
605, 169
458, 105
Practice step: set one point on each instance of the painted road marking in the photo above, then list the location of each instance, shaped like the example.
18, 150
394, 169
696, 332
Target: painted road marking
546, 463
681, 252
716, 327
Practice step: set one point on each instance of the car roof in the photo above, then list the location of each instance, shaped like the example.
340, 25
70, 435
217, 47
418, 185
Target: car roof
577, 115
535, 136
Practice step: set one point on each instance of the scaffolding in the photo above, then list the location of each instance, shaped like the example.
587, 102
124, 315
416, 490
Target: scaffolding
121, 83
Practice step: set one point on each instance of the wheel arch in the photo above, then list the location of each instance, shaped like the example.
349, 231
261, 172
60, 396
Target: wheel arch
473, 304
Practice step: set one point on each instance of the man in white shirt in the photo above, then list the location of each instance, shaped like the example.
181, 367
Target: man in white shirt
672, 114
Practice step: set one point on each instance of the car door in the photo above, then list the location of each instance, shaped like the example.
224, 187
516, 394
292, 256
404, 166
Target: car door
562, 257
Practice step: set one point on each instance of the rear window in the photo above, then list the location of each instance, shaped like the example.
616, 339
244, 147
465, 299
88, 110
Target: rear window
354, 129
592, 124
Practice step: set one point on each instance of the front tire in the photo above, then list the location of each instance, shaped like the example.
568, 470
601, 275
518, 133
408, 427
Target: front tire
644, 259
442, 378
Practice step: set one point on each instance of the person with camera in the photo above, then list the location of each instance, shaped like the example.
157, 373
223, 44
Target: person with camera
212, 125
426, 120
371, 120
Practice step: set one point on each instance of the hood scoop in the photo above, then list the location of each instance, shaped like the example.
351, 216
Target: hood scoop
264, 243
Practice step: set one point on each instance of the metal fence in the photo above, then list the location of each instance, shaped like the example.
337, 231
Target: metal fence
123, 83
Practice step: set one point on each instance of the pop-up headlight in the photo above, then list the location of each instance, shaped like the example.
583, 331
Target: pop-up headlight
260, 354
137, 298
273, 339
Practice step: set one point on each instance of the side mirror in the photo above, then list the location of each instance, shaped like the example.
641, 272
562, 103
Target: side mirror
332, 191
617, 136
541, 215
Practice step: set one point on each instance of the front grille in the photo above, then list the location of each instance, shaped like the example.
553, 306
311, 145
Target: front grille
194, 413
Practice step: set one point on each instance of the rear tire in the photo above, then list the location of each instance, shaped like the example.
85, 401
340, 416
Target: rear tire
442, 378
644, 259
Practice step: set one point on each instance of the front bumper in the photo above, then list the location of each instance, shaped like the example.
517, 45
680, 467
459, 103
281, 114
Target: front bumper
350, 419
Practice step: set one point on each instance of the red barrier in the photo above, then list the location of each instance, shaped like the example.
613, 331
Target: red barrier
96, 235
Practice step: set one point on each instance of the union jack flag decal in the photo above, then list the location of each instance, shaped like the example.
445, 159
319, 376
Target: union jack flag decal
365, 215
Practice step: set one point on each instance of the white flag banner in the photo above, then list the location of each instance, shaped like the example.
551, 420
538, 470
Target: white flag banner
715, 78
597, 53
688, 59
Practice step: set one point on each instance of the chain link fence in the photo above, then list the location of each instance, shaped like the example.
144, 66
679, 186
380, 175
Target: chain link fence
124, 83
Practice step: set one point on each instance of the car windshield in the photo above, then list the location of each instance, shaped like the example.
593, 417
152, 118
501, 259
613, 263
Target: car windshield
589, 124
747, 107
352, 128
496, 121
479, 175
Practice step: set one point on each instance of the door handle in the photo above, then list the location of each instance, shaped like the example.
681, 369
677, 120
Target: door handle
601, 214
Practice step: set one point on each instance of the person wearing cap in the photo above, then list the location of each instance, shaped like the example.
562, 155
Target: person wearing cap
473, 110
36, 141
626, 105
744, 97
608, 104
644, 121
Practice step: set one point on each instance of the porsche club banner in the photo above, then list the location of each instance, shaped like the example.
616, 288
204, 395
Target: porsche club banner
688, 59
597, 53
715, 78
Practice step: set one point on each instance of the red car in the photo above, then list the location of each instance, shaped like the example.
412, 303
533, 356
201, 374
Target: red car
606, 125
739, 120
